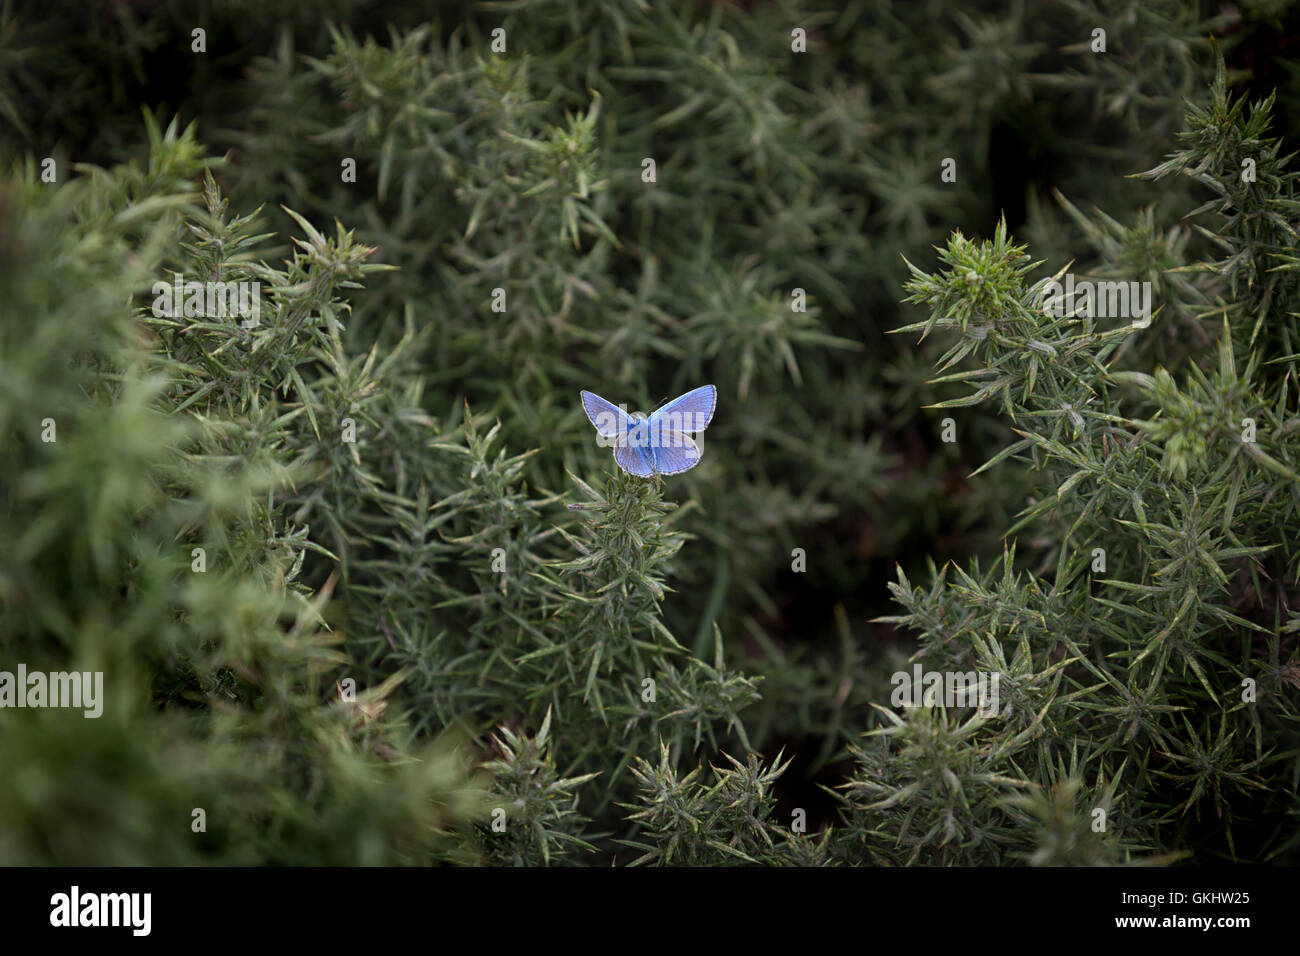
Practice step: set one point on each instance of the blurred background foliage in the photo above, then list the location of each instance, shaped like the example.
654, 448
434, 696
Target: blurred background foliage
522, 171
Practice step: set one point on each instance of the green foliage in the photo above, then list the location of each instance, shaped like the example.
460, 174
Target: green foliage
218, 684
526, 783
1193, 510
431, 603
688, 819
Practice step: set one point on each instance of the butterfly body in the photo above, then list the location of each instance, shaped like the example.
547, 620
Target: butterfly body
655, 444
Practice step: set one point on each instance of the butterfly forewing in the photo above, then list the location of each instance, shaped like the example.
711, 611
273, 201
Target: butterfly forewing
609, 420
691, 412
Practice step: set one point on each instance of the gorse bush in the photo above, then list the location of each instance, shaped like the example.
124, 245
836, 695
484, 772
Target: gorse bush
364, 587
218, 696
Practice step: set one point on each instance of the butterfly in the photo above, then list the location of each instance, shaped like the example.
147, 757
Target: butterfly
658, 444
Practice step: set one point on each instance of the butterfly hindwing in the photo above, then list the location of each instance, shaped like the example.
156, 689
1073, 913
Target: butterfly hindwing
690, 412
634, 459
609, 420
675, 453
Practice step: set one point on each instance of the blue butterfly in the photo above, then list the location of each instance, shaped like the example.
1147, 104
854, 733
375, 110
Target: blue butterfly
659, 444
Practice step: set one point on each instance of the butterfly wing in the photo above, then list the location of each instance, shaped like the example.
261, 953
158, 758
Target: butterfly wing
609, 420
634, 458
691, 412
675, 453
